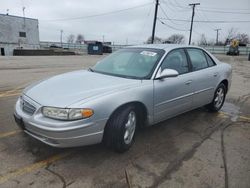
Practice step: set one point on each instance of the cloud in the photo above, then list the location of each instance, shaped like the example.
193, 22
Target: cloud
134, 25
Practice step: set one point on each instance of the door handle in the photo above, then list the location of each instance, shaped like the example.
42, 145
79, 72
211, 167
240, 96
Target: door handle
188, 82
215, 74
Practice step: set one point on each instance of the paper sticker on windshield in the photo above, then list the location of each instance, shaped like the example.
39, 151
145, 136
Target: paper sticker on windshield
148, 53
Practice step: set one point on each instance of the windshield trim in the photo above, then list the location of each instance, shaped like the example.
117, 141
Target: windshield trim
161, 52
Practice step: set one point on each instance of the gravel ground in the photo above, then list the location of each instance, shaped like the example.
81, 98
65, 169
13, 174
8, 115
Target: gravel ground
196, 149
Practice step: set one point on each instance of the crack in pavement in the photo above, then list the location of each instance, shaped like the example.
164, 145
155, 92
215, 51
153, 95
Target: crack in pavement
175, 164
223, 154
144, 170
127, 178
57, 174
223, 150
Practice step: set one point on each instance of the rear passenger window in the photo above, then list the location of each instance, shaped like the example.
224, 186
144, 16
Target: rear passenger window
209, 60
198, 59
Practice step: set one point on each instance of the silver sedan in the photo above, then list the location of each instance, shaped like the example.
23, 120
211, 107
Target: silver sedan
134, 87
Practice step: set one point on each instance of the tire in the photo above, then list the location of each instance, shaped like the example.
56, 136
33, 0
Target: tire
120, 130
219, 98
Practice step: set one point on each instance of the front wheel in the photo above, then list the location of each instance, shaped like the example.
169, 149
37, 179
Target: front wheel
219, 98
120, 130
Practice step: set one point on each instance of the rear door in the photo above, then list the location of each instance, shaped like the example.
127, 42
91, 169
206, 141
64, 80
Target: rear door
173, 96
205, 76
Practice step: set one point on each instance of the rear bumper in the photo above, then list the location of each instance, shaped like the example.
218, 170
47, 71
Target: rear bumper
60, 133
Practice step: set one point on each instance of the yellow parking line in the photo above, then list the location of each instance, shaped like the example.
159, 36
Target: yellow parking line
9, 95
241, 117
12, 92
221, 114
245, 118
3, 135
32, 167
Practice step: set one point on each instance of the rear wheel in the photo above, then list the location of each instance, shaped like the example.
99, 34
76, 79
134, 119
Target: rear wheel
120, 129
219, 98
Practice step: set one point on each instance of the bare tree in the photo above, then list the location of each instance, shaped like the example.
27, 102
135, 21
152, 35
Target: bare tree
80, 39
203, 40
231, 34
71, 38
175, 39
157, 40
243, 38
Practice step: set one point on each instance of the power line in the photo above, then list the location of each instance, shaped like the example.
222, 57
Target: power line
177, 5
227, 9
97, 15
145, 21
203, 17
210, 21
173, 7
171, 26
210, 25
166, 15
223, 12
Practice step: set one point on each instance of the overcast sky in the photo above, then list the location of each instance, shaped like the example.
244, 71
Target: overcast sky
132, 25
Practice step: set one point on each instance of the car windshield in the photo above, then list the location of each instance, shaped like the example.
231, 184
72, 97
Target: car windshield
137, 63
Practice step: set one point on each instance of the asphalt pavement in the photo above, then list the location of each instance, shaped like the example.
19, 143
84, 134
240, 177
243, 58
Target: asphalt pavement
195, 149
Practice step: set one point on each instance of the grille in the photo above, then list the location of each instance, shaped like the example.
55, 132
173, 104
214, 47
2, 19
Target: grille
27, 107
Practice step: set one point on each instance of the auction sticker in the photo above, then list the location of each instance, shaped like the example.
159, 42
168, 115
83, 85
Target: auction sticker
148, 53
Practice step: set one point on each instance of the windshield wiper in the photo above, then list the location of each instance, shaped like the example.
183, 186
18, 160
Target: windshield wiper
91, 70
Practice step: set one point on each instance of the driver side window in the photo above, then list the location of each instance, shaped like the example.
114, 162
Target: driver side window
176, 60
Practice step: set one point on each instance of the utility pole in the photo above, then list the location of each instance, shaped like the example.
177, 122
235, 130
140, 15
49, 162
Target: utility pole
61, 37
154, 23
217, 35
103, 38
191, 27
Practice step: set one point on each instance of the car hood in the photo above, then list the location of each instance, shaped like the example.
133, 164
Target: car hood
69, 88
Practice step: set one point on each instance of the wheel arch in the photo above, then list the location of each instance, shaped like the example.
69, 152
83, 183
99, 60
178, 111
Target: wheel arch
141, 109
225, 82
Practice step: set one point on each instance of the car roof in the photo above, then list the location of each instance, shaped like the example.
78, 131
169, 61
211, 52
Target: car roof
166, 47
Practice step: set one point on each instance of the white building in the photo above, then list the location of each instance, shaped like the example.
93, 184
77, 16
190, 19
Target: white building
18, 33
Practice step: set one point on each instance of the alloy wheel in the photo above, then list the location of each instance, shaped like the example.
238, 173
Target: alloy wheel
130, 127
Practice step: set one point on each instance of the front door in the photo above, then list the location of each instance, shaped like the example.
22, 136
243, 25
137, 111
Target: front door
173, 96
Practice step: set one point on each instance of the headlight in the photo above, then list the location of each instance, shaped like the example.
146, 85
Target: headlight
67, 113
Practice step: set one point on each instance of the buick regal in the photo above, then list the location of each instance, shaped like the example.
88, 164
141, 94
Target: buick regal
134, 87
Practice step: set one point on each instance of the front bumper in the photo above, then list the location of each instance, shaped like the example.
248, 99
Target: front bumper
59, 133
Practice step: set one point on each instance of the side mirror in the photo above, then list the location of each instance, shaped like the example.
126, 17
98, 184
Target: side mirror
166, 73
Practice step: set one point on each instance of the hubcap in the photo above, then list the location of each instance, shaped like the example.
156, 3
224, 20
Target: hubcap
219, 98
130, 127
